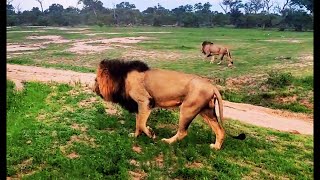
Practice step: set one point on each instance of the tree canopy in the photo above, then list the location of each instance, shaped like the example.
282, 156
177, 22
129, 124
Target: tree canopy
293, 14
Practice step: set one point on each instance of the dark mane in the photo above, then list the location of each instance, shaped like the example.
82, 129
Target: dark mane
206, 43
117, 71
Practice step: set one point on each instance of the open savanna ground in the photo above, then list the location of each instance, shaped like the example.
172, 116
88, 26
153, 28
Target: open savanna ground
55, 131
58, 131
272, 68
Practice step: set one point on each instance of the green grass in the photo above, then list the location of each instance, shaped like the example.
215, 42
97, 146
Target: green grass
180, 50
279, 85
40, 133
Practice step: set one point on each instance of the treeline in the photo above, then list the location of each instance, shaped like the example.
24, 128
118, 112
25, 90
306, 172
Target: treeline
293, 14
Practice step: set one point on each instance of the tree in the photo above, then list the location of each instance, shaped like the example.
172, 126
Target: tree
55, 15
203, 13
235, 13
256, 5
10, 9
94, 5
224, 7
233, 4
125, 5
281, 9
40, 2
198, 7
18, 8
267, 5
180, 11
248, 8
308, 4
126, 13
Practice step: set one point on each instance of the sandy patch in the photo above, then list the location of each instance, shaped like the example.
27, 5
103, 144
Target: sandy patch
82, 138
110, 108
140, 54
21, 53
134, 163
67, 28
304, 61
84, 48
22, 171
195, 165
137, 175
88, 102
48, 37
137, 149
79, 127
36, 31
159, 160
247, 80
11, 47
22, 47
288, 99
155, 32
33, 73
269, 118
73, 155
306, 57
94, 46
51, 39
25, 163
284, 40
93, 34
167, 126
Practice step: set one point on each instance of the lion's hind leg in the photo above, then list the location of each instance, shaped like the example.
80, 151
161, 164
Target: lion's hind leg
210, 117
188, 111
220, 58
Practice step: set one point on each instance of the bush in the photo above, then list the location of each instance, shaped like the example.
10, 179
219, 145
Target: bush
279, 80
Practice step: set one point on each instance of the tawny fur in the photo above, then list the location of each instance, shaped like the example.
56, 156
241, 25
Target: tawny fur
148, 88
210, 49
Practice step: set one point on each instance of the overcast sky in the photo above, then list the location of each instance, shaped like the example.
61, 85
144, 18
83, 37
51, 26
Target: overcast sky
140, 4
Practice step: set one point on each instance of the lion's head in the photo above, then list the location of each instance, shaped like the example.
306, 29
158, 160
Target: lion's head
110, 81
205, 43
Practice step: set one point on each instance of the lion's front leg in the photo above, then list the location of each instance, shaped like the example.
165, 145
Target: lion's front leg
142, 97
212, 59
141, 124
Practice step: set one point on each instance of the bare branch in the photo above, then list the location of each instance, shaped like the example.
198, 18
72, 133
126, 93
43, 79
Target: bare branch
285, 5
9, 2
40, 2
18, 8
268, 5
225, 9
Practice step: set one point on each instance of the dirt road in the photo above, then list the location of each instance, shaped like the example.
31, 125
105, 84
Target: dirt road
277, 119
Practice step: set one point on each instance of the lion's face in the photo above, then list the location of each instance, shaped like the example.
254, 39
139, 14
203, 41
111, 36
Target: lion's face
96, 89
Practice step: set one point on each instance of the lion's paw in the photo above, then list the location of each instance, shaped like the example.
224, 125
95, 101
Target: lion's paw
215, 146
165, 140
131, 135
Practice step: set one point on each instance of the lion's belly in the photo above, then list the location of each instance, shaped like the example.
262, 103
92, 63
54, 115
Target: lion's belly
168, 103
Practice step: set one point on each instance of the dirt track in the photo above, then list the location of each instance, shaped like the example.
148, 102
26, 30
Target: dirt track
256, 115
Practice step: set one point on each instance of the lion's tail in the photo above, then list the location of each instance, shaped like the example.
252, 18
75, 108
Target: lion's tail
241, 136
218, 95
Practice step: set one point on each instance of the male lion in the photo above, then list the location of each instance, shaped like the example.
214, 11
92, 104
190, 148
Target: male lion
138, 88
210, 49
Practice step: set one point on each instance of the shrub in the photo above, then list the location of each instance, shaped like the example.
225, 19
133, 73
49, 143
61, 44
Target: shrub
279, 80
